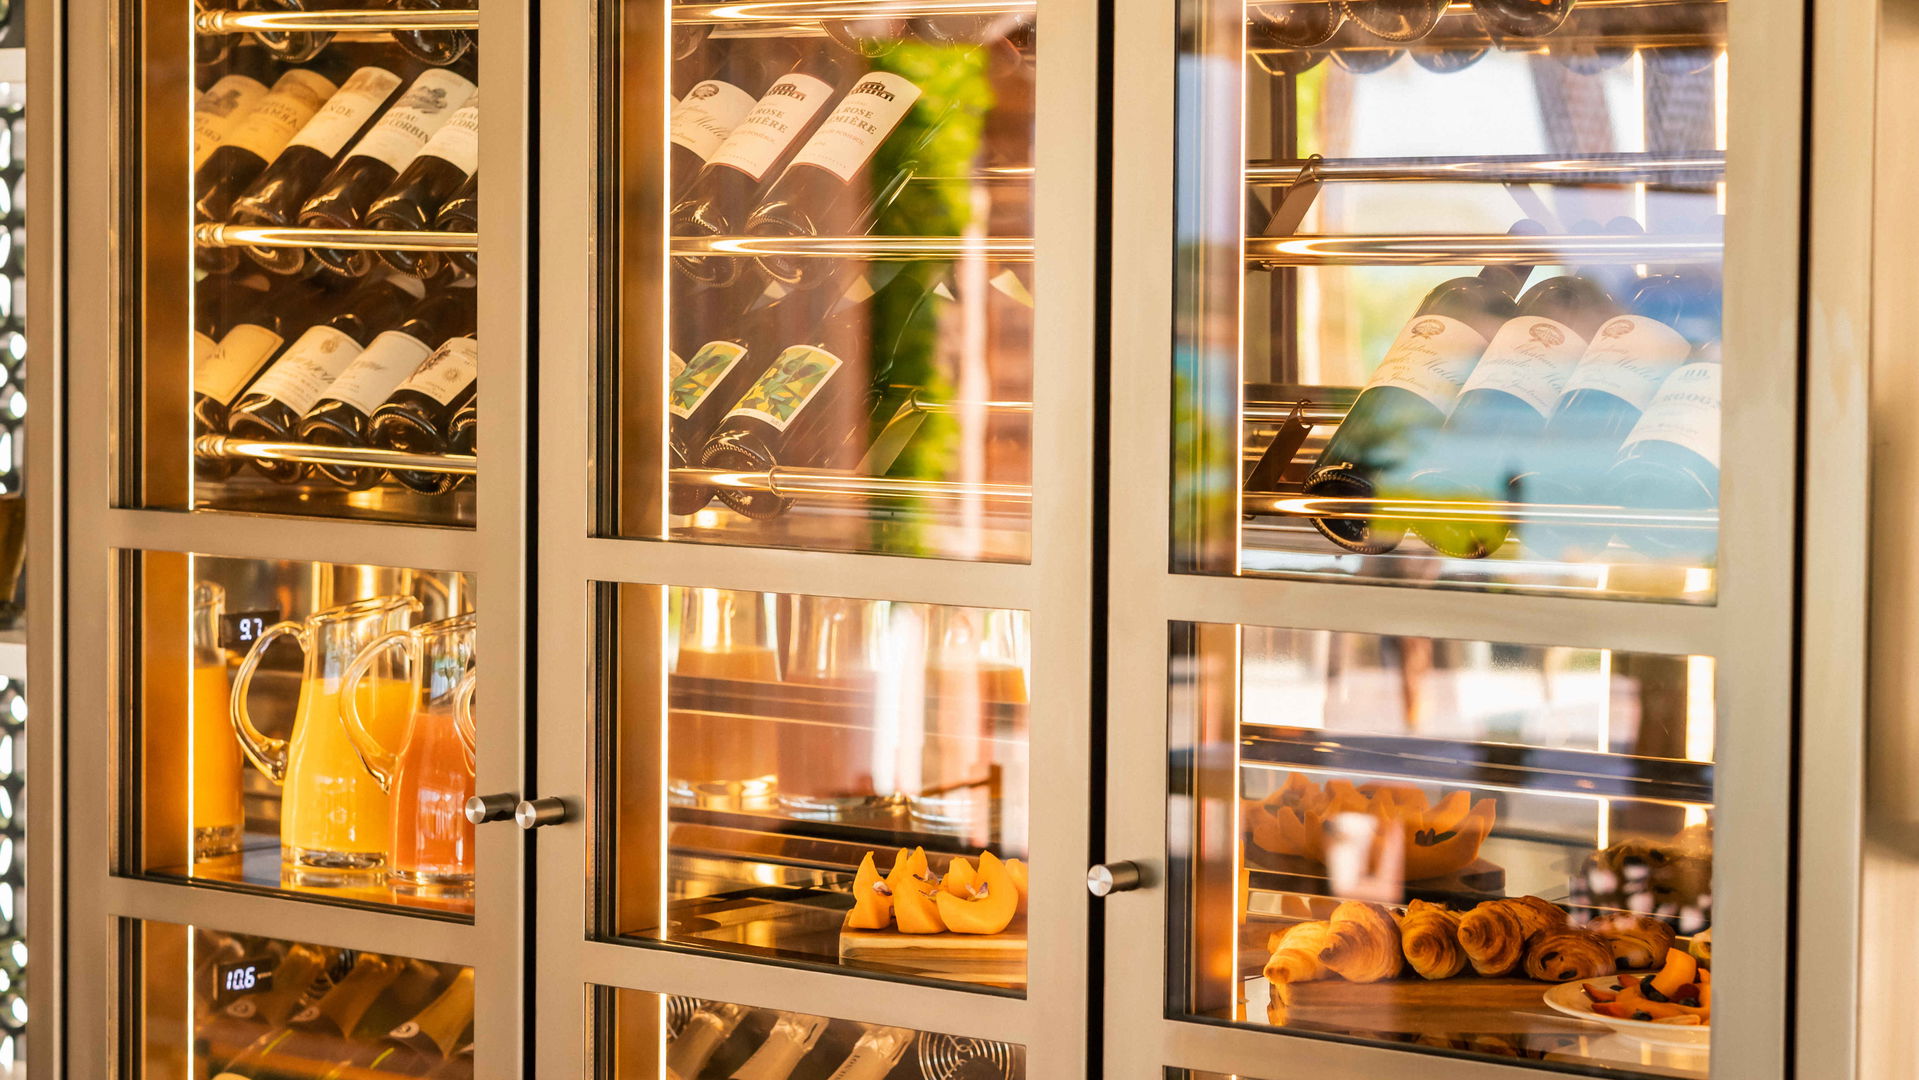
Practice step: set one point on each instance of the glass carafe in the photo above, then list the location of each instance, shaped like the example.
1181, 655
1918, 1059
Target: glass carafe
975, 666
213, 783
826, 764
334, 819
428, 770
725, 636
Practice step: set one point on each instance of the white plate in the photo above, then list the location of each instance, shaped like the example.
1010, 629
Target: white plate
1569, 999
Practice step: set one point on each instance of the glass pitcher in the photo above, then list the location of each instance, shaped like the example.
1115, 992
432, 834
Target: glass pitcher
726, 637
975, 666
334, 819
826, 767
428, 770
213, 762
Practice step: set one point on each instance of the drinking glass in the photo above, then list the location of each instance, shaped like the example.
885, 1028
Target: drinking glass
974, 667
334, 819
213, 758
428, 770
725, 636
826, 762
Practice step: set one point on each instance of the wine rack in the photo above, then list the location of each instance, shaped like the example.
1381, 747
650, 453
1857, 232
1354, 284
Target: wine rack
218, 235
229, 447
246, 22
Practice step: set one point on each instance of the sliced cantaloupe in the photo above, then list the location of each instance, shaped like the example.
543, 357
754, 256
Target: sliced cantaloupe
914, 909
959, 878
872, 900
990, 908
1016, 870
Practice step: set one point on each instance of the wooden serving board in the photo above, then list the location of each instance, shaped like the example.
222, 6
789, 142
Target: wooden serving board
1444, 1007
990, 959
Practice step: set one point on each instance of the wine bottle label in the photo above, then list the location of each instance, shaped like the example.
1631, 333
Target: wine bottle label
866, 116
449, 371
674, 365
791, 384
793, 1035
875, 1054
1432, 357
227, 367
424, 109
307, 368
776, 120
223, 104
1685, 412
692, 386
707, 115
295, 97
347, 111
1629, 357
1530, 358
1008, 284
203, 346
378, 371
458, 141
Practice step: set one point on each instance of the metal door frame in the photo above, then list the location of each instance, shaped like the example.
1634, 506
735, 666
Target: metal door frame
1752, 629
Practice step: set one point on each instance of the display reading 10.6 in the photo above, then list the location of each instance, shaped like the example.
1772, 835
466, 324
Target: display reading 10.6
242, 977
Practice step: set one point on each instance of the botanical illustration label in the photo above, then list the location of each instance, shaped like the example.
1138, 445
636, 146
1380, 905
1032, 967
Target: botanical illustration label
776, 120
791, 384
708, 113
347, 111
1432, 357
1685, 412
691, 386
865, 117
1530, 358
422, 110
1629, 357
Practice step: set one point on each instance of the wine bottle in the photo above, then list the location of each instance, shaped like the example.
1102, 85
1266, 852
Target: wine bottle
828, 188
312, 1032
814, 394
272, 407
1629, 358
1395, 20
378, 158
418, 1046
415, 197
436, 47
1407, 399
792, 1036
290, 46
218, 109
256, 139
721, 193
1522, 18
457, 1067
1670, 461
253, 339
460, 214
344, 414
704, 1031
709, 111
233, 1028
878, 1050
275, 197
1497, 423
463, 432
1297, 26
418, 415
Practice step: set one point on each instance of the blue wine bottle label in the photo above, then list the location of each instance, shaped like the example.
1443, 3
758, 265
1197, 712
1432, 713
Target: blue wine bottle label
1432, 357
1628, 358
1530, 358
791, 384
1685, 412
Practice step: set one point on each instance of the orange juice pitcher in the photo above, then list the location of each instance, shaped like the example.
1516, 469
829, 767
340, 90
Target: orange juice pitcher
213, 759
427, 770
334, 819
716, 758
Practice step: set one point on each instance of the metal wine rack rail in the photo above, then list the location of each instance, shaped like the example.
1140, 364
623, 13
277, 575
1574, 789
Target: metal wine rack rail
230, 448
246, 22
215, 235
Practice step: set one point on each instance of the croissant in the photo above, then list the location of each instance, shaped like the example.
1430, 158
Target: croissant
1296, 953
1638, 941
1429, 936
1568, 953
1363, 943
1538, 915
1493, 937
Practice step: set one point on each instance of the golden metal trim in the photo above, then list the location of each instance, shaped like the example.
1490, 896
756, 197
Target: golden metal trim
237, 22
1709, 166
226, 446
804, 11
1453, 250
830, 484
1293, 505
214, 235
1004, 248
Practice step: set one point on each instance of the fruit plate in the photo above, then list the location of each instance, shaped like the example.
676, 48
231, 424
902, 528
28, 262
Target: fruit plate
1569, 999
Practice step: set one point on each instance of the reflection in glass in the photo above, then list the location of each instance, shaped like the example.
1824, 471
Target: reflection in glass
1449, 306
1439, 842
256, 1008
818, 747
349, 688
647, 1035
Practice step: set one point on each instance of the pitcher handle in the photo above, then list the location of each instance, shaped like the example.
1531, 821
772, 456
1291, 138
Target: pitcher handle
463, 719
378, 760
267, 753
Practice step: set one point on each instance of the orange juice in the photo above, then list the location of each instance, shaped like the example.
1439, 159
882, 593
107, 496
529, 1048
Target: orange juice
213, 766
720, 747
332, 812
432, 839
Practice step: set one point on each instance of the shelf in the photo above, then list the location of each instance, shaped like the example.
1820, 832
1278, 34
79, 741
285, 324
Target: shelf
212, 235
246, 22
904, 248
1480, 250
804, 11
1298, 505
1481, 764
1705, 167
828, 484
226, 446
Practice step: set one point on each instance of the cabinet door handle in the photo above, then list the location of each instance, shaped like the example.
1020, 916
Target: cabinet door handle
1104, 879
481, 809
534, 813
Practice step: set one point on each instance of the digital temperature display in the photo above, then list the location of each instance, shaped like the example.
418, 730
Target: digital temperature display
240, 629
240, 978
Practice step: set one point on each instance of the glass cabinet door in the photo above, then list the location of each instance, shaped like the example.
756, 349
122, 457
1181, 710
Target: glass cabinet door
1459, 670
